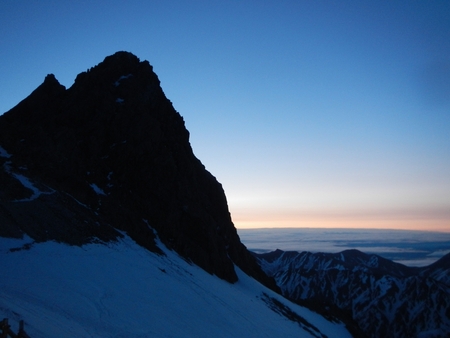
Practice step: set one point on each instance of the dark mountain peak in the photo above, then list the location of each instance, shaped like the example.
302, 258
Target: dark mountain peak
32, 108
50, 79
111, 153
116, 65
114, 69
121, 58
49, 89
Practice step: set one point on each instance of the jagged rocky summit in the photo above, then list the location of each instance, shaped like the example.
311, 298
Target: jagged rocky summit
111, 155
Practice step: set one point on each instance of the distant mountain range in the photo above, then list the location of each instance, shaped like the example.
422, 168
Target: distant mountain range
375, 296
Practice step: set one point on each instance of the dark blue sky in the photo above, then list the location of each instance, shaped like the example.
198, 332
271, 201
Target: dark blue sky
310, 113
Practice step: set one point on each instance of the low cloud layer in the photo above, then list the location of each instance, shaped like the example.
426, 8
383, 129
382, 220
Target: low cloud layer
413, 248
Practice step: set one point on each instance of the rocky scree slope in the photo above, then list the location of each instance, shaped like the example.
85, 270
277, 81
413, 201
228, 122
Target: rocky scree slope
376, 297
110, 155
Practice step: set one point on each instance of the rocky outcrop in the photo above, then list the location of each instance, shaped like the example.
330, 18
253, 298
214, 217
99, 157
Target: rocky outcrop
111, 155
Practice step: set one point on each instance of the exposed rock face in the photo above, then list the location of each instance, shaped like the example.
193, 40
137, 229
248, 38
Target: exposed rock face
380, 297
111, 154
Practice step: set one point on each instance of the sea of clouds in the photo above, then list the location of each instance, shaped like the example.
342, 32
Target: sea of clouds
412, 248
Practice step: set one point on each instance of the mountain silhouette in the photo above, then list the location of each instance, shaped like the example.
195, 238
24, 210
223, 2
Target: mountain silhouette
110, 155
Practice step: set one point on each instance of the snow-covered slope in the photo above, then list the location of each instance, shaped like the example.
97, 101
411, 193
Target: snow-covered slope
123, 290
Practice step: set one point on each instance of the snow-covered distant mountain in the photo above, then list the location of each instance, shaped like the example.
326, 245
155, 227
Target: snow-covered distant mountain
120, 289
380, 298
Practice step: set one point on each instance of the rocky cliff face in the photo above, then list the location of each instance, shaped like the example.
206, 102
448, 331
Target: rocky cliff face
111, 155
378, 297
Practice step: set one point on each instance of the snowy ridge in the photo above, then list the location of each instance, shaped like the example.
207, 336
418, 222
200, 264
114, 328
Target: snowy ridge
383, 298
123, 290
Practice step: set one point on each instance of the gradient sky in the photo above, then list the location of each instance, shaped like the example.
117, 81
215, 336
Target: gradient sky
310, 113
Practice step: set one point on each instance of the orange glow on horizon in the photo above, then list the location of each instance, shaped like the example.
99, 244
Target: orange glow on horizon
439, 223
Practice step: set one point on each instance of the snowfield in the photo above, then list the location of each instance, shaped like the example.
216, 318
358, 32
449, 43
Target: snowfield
122, 290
